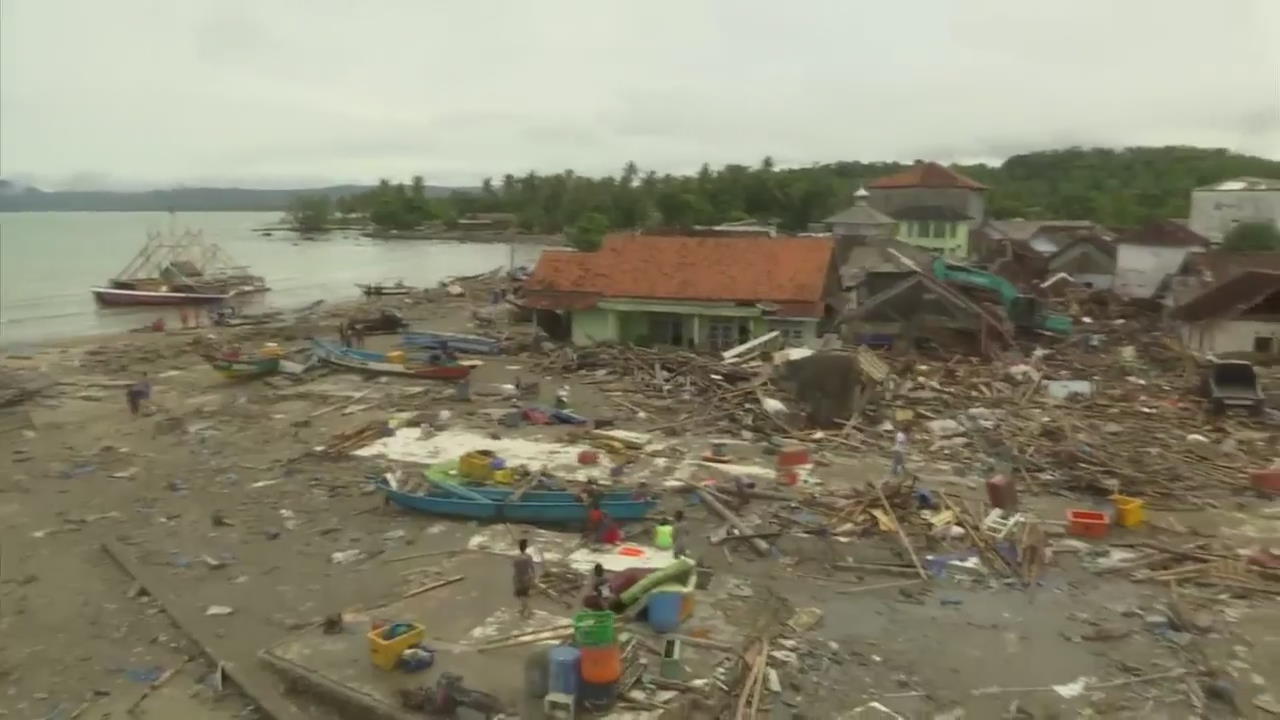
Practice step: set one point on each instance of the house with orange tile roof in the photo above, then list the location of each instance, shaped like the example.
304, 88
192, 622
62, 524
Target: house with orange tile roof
929, 185
696, 292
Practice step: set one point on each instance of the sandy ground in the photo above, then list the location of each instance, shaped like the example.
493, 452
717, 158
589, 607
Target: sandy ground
75, 638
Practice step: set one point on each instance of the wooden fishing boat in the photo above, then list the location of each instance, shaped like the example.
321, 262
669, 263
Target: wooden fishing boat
382, 289
445, 474
523, 511
375, 362
458, 342
178, 270
501, 494
242, 367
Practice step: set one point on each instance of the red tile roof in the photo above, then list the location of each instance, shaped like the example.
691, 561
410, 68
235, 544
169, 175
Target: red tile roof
1164, 233
1229, 298
791, 272
927, 175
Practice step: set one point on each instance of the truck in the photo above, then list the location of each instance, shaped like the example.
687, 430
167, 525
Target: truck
1231, 384
1024, 311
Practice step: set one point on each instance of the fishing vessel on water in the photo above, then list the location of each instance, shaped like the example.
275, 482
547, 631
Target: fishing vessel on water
184, 269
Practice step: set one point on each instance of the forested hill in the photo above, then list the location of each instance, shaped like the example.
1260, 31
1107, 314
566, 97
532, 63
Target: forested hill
192, 199
1115, 187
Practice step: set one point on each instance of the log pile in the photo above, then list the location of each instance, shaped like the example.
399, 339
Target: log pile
722, 395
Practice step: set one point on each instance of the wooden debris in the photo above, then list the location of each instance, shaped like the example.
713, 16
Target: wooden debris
432, 586
760, 546
902, 535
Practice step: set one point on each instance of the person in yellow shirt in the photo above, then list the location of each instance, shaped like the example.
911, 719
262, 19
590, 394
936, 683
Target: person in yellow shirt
664, 535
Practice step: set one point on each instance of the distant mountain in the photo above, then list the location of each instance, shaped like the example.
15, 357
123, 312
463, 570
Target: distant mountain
19, 198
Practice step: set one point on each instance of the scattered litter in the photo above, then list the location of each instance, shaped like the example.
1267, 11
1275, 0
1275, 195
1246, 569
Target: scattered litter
219, 610
342, 557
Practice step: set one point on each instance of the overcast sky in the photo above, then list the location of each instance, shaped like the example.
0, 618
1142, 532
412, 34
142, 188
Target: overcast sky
277, 93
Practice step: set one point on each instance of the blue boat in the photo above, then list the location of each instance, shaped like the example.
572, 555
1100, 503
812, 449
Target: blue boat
524, 511
473, 344
500, 494
335, 354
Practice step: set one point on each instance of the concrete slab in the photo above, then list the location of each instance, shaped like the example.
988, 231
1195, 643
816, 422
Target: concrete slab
460, 620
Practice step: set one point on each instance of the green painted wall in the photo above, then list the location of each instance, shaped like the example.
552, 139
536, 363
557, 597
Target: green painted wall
617, 323
921, 234
593, 326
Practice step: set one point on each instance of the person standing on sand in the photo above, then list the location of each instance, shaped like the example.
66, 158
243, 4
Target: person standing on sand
357, 336
136, 393
899, 465
524, 578
343, 335
678, 548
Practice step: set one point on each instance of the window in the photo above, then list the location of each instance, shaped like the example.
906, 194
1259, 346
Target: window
792, 334
939, 229
1263, 344
722, 334
951, 230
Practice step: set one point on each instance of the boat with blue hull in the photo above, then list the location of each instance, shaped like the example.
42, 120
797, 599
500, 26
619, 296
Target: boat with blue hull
335, 354
556, 512
500, 494
458, 342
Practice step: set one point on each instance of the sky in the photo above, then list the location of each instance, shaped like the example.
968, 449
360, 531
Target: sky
132, 94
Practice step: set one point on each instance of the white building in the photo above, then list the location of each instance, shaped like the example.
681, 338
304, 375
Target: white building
1217, 208
1241, 314
1148, 255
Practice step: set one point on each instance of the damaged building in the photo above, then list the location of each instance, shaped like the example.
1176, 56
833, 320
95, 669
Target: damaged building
709, 293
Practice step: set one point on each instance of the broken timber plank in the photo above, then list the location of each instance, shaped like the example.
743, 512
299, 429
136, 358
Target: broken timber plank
432, 586
257, 686
760, 546
902, 534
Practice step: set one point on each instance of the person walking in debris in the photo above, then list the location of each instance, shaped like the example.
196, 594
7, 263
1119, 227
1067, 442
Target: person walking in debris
678, 548
601, 594
595, 515
136, 393
899, 466
357, 336
524, 578
343, 335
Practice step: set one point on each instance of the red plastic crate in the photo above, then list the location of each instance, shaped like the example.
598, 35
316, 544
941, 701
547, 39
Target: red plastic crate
1267, 481
1088, 523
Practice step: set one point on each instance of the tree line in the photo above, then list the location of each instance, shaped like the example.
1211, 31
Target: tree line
1116, 187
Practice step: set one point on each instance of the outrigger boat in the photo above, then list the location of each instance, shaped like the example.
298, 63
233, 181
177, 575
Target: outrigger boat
452, 500
178, 270
381, 289
243, 368
394, 364
473, 344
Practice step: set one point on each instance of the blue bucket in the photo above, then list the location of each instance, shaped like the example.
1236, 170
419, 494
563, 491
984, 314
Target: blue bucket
563, 662
664, 609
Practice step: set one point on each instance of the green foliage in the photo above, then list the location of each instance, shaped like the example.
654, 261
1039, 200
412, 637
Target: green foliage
1255, 236
1124, 187
310, 213
589, 231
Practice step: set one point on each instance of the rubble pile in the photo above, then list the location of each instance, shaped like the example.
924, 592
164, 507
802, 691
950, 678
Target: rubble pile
725, 395
1108, 413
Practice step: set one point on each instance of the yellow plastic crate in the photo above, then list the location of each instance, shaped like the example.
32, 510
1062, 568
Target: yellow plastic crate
1129, 512
386, 653
477, 465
